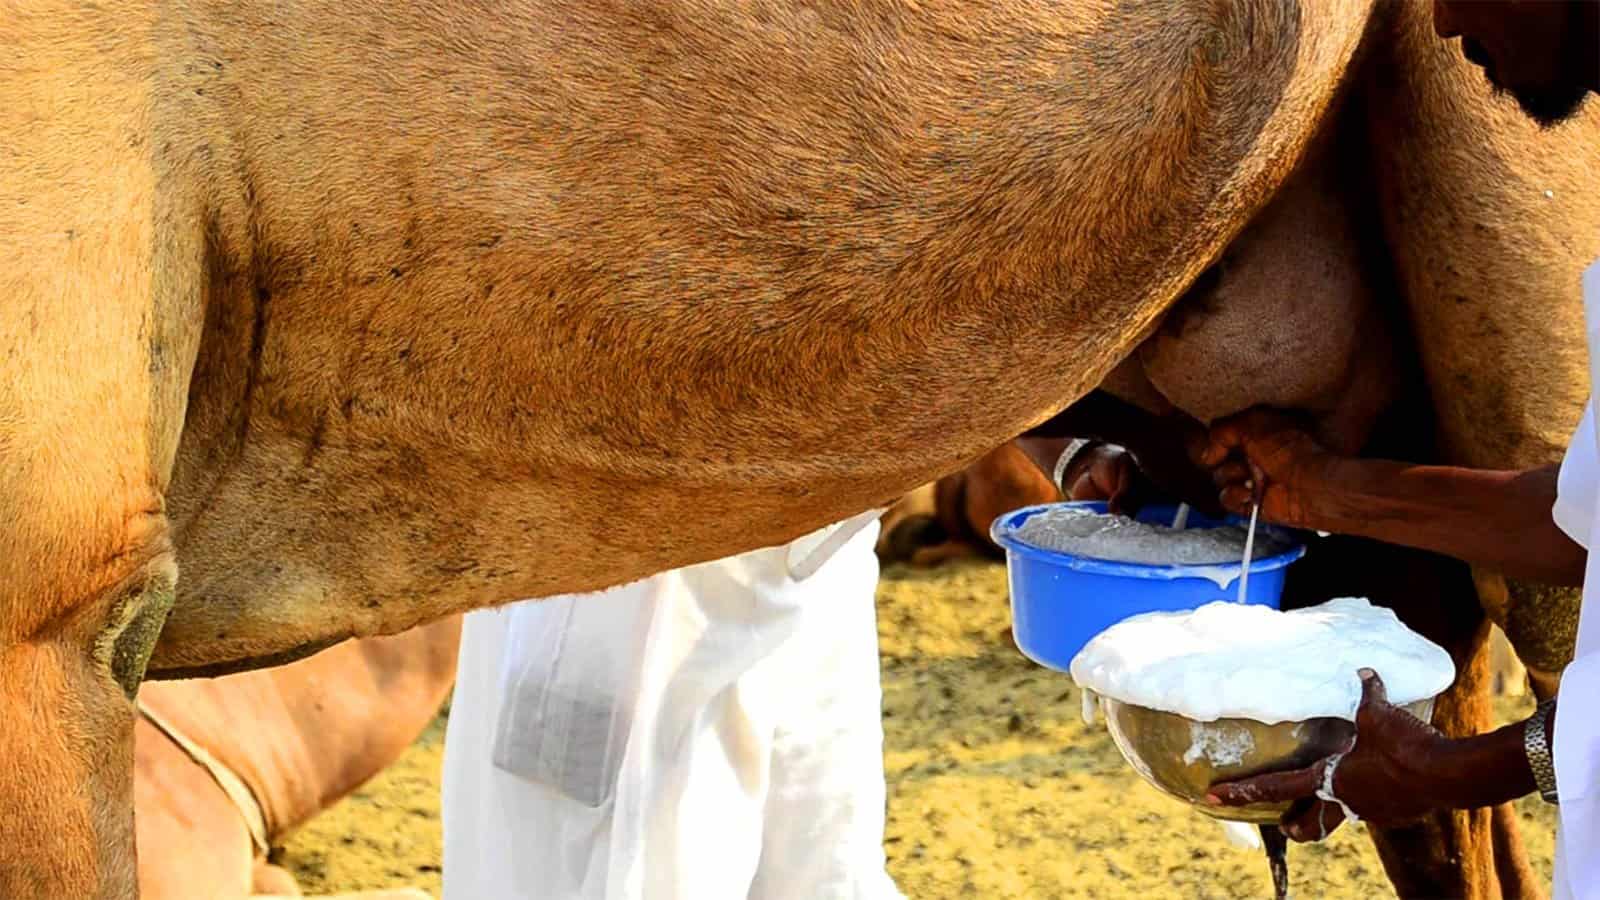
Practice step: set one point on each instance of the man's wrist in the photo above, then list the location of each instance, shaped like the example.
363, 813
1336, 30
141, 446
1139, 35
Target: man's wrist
1064, 462
1345, 496
1537, 743
1478, 771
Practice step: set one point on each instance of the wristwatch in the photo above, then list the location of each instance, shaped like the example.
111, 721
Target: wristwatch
1537, 746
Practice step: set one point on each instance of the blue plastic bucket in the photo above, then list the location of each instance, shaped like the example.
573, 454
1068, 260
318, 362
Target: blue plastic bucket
1060, 601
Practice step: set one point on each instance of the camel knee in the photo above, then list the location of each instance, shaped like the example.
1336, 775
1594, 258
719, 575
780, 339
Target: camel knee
908, 537
138, 615
102, 584
72, 653
1539, 622
938, 554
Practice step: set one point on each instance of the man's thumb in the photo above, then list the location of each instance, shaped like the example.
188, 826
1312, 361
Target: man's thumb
1372, 689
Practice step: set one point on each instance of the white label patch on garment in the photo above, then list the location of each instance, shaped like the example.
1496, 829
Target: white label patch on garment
569, 673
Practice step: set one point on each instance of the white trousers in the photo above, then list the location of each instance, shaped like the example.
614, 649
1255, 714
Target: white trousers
712, 733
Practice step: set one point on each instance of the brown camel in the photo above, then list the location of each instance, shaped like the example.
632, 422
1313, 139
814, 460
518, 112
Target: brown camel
361, 315
225, 768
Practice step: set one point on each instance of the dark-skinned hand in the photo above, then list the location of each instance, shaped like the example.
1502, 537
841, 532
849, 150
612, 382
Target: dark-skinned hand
1390, 775
1106, 472
1159, 445
1263, 456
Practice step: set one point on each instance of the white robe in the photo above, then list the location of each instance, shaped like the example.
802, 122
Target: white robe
1577, 724
711, 733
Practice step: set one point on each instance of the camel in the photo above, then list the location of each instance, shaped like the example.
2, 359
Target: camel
225, 768
360, 317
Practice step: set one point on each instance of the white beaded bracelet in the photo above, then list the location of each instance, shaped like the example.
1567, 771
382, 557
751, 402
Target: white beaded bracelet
1064, 461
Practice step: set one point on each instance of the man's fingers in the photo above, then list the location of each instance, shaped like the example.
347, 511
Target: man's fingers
1279, 787
1313, 822
1231, 473
1084, 488
1121, 477
1105, 477
1237, 499
1232, 433
1222, 441
1110, 476
1257, 483
1375, 713
1123, 474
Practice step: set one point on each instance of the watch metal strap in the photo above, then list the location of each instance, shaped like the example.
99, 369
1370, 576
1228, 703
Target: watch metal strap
1536, 745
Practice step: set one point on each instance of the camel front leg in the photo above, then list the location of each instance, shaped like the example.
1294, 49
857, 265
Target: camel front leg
99, 324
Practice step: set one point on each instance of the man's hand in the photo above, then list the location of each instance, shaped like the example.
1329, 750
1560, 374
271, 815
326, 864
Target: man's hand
1394, 772
1262, 456
1158, 445
1106, 472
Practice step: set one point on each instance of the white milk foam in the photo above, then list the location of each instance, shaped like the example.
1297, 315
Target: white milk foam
1122, 539
1227, 660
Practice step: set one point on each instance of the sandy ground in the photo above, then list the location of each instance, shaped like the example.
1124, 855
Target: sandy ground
996, 786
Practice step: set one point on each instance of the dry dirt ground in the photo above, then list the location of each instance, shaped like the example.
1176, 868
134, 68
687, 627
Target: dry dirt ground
996, 786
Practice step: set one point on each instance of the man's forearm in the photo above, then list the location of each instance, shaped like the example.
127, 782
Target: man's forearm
1485, 770
1498, 520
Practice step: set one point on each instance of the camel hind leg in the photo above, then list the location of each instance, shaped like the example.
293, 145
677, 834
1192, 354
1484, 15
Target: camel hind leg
1476, 854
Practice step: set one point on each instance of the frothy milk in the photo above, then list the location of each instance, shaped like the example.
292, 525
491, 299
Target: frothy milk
1227, 660
1122, 539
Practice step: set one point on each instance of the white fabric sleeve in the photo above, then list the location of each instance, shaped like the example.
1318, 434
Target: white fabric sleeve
1578, 483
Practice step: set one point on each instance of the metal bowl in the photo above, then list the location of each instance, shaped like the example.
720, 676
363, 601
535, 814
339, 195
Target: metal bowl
1184, 758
